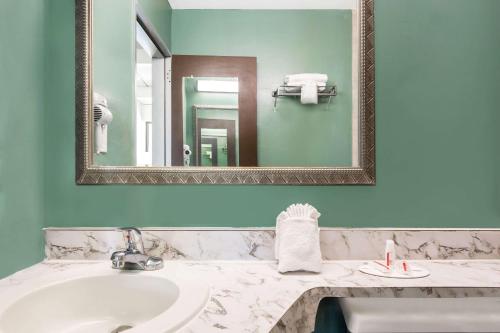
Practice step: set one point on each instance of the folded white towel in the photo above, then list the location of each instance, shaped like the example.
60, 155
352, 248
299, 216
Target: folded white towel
308, 84
296, 86
297, 239
309, 93
319, 78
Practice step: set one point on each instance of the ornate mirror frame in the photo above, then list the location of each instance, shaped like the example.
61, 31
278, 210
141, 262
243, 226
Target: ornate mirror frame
88, 174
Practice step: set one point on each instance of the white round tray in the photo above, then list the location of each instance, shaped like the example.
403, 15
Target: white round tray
416, 272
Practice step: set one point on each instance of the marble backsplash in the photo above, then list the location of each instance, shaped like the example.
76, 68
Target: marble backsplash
258, 243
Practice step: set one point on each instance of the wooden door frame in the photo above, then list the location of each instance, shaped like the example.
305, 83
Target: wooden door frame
243, 68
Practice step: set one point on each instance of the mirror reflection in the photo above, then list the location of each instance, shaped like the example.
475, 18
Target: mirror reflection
186, 83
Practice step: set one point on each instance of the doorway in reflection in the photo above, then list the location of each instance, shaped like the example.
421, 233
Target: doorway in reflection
150, 100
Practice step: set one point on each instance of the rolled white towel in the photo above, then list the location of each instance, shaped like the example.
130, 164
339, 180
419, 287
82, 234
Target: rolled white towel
309, 93
304, 77
297, 245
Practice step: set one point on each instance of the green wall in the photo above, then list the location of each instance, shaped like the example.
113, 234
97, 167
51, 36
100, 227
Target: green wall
159, 13
22, 26
284, 42
438, 78
114, 75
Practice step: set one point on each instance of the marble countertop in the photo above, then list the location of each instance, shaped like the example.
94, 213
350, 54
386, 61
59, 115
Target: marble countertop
254, 297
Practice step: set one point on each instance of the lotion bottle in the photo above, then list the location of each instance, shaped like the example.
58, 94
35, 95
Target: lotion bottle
390, 254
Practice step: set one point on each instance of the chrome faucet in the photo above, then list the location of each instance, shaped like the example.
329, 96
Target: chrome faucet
134, 258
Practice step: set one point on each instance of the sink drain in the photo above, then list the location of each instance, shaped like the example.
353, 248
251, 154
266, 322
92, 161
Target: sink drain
121, 328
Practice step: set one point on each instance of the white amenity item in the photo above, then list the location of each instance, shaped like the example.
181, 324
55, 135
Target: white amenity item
102, 302
297, 245
421, 315
390, 253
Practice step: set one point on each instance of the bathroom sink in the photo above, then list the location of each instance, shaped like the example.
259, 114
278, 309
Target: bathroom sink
132, 302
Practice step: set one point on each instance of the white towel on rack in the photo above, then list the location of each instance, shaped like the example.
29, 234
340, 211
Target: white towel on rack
296, 86
305, 77
297, 239
308, 84
309, 93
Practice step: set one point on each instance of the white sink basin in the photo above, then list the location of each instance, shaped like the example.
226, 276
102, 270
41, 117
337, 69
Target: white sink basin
114, 302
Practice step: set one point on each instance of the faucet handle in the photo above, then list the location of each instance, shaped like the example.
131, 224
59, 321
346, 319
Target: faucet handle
132, 237
117, 260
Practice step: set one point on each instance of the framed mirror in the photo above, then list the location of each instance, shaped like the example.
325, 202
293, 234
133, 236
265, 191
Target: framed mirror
240, 92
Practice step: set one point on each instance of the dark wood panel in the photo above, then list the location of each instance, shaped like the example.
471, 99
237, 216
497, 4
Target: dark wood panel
245, 69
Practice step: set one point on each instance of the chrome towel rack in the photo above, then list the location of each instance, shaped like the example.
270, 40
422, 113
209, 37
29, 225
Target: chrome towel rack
294, 91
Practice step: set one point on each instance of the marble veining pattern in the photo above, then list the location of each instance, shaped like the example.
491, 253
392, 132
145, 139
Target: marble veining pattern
254, 297
258, 244
358, 244
179, 244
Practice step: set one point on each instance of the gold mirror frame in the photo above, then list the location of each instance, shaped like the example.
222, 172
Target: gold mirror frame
88, 174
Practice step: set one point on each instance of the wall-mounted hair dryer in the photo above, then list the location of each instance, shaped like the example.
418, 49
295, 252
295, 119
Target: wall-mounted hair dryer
102, 118
187, 155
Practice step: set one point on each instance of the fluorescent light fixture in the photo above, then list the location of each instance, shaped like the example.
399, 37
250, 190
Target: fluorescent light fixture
217, 86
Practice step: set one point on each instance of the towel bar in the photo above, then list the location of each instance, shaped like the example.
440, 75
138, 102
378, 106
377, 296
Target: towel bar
328, 91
